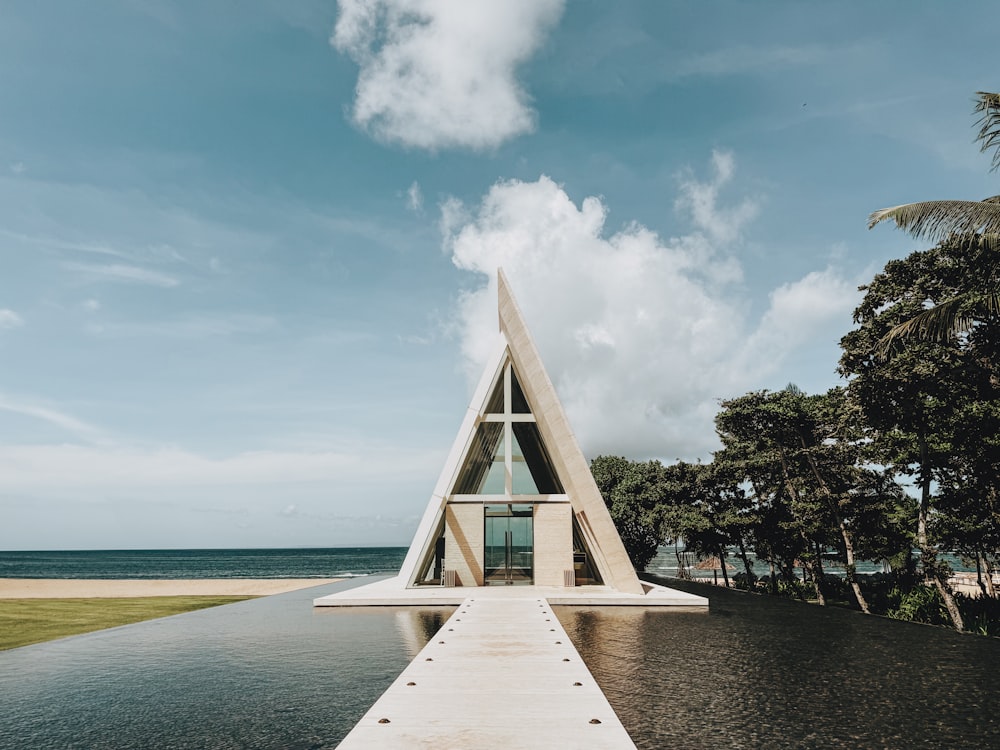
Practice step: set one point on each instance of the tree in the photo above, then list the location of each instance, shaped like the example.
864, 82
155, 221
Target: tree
709, 510
633, 492
769, 440
932, 404
974, 225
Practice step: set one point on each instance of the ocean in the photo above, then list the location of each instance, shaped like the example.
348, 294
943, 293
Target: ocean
334, 562
306, 562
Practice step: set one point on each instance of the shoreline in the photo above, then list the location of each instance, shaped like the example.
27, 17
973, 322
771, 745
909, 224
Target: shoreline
94, 588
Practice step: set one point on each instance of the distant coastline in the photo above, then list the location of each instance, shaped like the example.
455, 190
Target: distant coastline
174, 564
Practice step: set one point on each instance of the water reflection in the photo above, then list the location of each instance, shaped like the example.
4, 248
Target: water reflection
756, 672
266, 673
416, 626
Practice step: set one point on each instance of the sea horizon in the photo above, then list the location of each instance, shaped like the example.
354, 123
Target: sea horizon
279, 562
196, 563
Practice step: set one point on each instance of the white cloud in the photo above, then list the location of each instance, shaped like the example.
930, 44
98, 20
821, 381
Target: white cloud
92, 305
816, 307
641, 336
137, 469
414, 197
119, 272
10, 319
438, 73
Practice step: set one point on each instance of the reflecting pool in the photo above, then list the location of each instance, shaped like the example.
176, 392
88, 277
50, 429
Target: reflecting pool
753, 672
761, 672
264, 673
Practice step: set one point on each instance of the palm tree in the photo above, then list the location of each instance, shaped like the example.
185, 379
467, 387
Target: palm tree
974, 224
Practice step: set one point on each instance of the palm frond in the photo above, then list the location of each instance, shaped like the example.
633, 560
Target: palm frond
938, 219
944, 321
989, 124
989, 242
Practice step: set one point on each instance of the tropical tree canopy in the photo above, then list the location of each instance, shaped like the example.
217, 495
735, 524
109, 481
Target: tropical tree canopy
972, 225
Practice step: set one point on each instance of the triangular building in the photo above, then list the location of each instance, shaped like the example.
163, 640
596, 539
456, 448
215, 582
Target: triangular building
515, 502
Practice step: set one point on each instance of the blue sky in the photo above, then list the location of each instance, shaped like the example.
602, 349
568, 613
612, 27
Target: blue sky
248, 247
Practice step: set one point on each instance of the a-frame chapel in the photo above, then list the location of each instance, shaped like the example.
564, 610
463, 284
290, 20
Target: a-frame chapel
516, 502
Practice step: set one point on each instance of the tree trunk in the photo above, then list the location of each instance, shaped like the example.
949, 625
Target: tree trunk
844, 533
722, 564
681, 570
774, 577
794, 495
979, 574
746, 562
815, 571
928, 556
991, 590
788, 570
851, 578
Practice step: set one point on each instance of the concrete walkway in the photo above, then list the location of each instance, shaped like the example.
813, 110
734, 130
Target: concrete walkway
501, 672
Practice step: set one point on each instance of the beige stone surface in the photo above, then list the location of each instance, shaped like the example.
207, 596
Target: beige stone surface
392, 592
499, 673
463, 545
80, 588
553, 524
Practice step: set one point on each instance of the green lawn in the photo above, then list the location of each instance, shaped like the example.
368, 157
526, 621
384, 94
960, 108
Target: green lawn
25, 621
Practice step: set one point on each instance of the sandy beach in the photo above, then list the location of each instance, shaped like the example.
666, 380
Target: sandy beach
78, 588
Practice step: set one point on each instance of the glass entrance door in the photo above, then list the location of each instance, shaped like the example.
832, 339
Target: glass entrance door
509, 558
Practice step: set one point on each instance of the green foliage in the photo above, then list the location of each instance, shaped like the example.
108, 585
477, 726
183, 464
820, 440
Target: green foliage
632, 492
919, 604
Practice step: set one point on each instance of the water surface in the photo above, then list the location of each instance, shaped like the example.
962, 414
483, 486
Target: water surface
265, 673
762, 672
334, 562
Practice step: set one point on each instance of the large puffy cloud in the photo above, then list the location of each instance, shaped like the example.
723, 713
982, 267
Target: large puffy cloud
640, 335
439, 74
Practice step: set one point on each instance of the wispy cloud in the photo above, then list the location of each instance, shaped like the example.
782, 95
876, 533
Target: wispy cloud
58, 244
135, 468
122, 273
701, 200
60, 419
10, 319
414, 197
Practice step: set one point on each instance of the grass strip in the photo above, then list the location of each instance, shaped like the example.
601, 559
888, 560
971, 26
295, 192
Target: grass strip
27, 621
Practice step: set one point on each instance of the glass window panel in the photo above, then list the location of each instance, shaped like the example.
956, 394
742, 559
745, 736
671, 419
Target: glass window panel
536, 459
495, 483
479, 460
519, 404
495, 404
522, 481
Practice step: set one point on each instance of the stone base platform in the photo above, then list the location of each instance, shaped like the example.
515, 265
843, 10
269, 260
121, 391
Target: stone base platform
393, 592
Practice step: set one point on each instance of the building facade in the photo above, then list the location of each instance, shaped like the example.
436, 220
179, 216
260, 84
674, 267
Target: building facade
515, 502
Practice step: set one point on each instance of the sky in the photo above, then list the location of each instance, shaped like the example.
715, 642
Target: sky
248, 248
